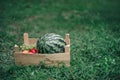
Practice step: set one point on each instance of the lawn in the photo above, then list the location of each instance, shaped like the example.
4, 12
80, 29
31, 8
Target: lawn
94, 28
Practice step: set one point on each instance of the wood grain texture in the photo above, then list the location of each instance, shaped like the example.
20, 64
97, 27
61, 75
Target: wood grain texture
26, 41
48, 59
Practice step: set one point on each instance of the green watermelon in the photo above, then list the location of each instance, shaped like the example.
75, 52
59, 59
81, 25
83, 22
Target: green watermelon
51, 43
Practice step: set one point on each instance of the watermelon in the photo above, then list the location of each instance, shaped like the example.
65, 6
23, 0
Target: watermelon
51, 43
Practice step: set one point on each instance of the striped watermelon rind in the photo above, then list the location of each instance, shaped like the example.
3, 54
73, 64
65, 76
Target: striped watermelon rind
51, 43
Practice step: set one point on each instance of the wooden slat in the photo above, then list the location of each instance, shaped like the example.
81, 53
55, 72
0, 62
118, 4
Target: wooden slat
35, 59
67, 39
26, 41
67, 49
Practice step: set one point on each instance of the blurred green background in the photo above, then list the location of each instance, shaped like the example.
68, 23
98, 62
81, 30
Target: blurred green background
94, 28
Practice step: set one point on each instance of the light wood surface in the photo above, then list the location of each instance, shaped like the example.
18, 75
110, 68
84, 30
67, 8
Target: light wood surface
67, 39
48, 59
32, 40
67, 49
26, 40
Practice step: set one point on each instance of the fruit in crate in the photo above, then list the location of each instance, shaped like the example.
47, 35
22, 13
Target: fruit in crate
51, 43
33, 50
30, 49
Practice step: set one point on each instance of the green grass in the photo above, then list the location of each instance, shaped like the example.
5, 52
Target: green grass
94, 30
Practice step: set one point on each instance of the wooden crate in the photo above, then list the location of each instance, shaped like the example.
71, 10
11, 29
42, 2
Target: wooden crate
35, 59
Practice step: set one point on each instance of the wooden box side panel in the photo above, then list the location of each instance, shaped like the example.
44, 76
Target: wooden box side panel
32, 40
48, 59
